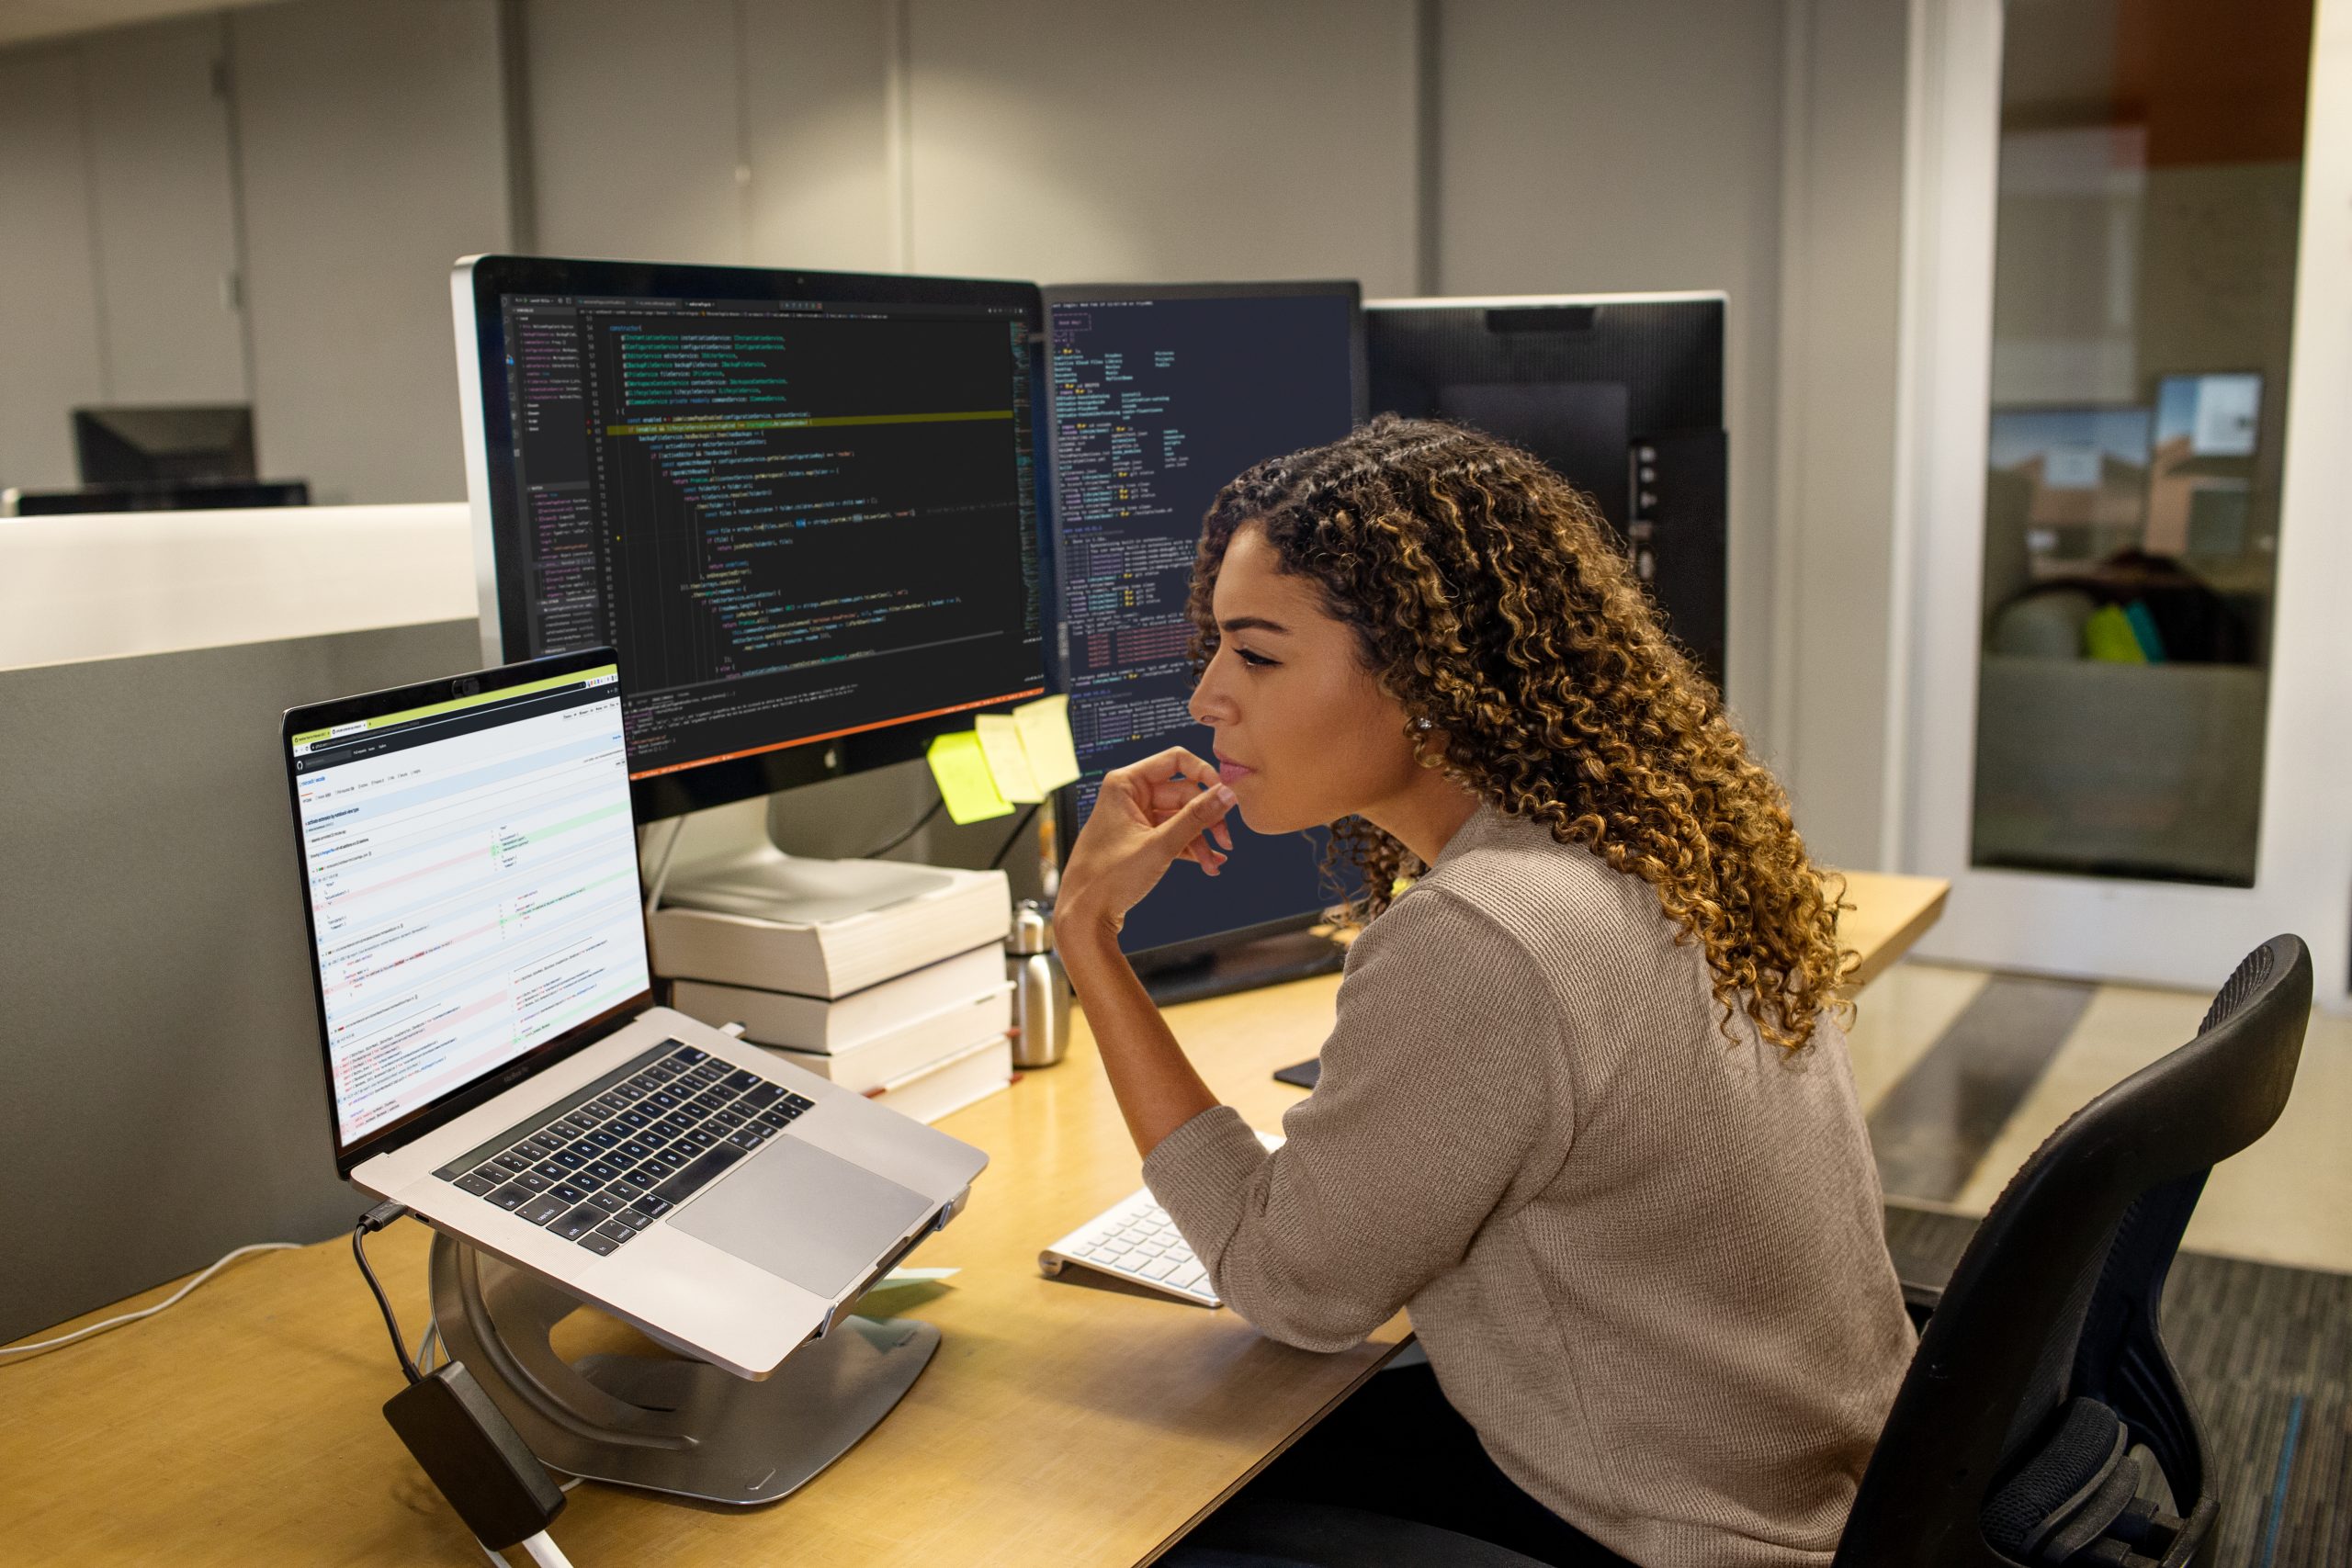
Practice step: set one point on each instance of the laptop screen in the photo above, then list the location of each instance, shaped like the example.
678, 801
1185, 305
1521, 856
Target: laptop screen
471, 869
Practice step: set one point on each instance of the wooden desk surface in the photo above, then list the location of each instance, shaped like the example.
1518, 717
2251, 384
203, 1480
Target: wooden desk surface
1890, 913
1059, 1423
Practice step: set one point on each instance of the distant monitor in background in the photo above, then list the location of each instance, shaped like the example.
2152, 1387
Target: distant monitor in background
193, 444
1621, 394
2200, 480
2068, 486
153, 498
1160, 394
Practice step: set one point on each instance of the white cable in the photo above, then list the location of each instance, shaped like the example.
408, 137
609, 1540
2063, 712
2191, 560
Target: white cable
427, 1347
494, 1556
149, 1311
661, 878
546, 1552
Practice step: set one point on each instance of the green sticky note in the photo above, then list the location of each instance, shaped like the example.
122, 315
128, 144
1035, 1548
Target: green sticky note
1000, 744
914, 1277
930, 1281
1045, 737
965, 783
2108, 638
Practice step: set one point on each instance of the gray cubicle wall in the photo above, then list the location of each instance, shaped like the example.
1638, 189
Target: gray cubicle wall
160, 1097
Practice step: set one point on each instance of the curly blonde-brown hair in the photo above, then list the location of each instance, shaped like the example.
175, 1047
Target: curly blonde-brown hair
1489, 598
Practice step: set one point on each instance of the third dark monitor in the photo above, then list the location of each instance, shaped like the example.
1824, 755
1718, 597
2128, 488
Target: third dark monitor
1621, 394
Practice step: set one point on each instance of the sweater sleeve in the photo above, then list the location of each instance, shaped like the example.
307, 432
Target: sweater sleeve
1443, 1077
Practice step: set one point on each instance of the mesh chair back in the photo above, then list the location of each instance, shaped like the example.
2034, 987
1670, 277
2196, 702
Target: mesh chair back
2056, 1298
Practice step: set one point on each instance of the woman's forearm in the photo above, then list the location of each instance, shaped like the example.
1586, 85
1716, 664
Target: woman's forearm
1155, 1083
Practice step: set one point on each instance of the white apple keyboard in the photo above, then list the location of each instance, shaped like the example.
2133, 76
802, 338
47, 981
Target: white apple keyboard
1135, 1240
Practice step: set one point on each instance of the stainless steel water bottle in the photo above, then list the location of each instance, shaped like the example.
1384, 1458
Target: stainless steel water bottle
1041, 995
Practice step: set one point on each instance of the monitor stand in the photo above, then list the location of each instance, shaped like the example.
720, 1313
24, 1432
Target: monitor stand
662, 1422
729, 866
1269, 961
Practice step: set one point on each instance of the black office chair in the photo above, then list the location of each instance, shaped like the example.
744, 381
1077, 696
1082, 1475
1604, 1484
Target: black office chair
2041, 1422
1311, 1535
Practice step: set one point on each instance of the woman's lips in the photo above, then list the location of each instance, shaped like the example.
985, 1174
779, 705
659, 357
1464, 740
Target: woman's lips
1232, 773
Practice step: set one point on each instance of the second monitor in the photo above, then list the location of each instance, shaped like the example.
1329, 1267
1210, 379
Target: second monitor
1160, 394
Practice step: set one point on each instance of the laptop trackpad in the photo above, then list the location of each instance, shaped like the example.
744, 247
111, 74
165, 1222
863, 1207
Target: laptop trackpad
803, 1216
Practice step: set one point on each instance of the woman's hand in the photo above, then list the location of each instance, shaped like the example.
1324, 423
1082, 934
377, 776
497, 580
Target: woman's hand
1149, 815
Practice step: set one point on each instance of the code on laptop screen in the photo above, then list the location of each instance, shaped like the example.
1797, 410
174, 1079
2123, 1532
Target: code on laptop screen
471, 868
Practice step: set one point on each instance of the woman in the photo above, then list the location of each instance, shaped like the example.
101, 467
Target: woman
1586, 1110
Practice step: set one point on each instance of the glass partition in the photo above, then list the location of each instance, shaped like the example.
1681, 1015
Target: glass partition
2151, 178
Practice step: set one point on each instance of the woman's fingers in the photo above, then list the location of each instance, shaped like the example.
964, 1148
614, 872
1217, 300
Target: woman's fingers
1170, 796
1162, 768
1149, 814
1189, 828
1174, 787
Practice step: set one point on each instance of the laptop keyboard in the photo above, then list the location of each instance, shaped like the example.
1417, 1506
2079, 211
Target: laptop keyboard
628, 1148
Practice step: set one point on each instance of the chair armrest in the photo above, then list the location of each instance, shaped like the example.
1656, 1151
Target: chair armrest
1921, 1301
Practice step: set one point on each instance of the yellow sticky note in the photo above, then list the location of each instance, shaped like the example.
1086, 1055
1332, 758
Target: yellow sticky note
1045, 737
1000, 744
962, 772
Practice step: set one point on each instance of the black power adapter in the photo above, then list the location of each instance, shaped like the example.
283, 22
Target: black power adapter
472, 1453
466, 1447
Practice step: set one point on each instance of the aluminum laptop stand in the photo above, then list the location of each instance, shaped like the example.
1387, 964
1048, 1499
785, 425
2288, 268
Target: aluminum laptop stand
666, 1423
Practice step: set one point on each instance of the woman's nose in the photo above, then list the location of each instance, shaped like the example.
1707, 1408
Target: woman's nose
1207, 705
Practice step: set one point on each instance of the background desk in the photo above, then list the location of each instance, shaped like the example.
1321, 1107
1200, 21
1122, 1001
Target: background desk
1060, 1423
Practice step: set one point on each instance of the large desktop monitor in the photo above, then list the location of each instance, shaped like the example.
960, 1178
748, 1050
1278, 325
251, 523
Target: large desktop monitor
197, 496
1623, 394
802, 505
1159, 395
161, 445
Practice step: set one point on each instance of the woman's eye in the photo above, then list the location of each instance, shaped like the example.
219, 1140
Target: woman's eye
1254, 661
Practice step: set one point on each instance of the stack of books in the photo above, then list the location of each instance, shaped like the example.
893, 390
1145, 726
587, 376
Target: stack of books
908, 1004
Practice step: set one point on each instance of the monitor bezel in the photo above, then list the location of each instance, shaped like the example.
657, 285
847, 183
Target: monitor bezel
477, 284
579, 1037
1148, 960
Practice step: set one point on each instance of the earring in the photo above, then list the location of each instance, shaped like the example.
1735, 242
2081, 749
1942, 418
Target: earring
1423, 724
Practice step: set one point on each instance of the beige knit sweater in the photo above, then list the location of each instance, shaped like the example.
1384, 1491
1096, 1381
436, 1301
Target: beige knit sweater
1646, 1263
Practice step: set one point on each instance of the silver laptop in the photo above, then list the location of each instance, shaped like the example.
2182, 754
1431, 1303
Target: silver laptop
494, 1061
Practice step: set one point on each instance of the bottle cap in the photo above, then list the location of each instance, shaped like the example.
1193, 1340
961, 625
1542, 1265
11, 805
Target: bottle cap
1033, 928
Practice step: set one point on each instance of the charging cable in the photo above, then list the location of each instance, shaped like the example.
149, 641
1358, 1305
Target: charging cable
463, 1442
171, 1300
374, 1220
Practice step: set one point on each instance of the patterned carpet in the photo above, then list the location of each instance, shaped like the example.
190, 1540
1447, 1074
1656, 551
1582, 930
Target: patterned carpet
2267, 1355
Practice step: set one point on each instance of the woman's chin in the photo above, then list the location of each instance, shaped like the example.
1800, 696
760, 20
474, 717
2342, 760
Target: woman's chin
1266, 817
